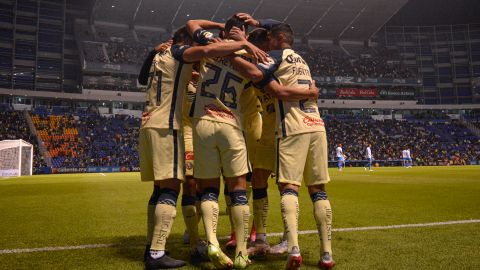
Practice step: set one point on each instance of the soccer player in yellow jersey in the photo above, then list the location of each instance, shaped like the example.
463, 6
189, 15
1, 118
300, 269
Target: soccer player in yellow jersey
220, 147
161, 145
301, 143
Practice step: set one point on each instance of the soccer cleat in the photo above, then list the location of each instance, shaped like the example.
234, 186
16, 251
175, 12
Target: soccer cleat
294, 260
253, 233
163, 262
259, 248
279, 248
186, 238
326, 262
241, 261
199, 253
218, 258
232, 243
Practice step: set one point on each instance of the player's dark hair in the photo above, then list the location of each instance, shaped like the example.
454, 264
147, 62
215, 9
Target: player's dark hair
285, 29
258, 36
182, 36
235, 21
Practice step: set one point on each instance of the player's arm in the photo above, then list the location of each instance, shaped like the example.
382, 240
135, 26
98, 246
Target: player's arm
247, 69
143, 76
291, 93
266, 23
198, 30
219, 49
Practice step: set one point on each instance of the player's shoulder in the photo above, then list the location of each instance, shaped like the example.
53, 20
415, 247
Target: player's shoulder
177, 51
275, 58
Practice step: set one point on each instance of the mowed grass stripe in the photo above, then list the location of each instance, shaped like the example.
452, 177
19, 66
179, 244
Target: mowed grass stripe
390, 227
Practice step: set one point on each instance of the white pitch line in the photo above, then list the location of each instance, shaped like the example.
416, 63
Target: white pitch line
29, 250
390, 227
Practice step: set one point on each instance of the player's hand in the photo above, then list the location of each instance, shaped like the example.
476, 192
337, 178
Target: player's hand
237, 34
314, 90
248, 19
257, 53
164, 46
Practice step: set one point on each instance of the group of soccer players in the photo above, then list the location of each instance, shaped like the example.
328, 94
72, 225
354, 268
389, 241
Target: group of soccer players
216, 107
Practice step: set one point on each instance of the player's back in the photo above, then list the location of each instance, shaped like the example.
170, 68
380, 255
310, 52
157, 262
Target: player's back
294, 117
219, 90
169, 77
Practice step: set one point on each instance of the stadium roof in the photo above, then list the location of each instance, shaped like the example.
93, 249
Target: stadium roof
317, 19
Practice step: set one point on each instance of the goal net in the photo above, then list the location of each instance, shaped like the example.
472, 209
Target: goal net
16, 158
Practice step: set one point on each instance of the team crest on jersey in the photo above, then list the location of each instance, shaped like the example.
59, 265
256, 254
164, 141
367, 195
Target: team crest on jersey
189, 165
189, 155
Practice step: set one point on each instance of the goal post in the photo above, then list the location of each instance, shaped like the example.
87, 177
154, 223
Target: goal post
16, 158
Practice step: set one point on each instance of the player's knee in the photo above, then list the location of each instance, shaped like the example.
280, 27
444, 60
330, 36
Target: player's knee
239, 197
210, 194
168, 196
259, 193
283, 187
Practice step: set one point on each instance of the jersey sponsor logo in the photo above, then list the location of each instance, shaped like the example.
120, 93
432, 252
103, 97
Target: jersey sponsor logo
295, 59
217, 111
189, 155
312, 121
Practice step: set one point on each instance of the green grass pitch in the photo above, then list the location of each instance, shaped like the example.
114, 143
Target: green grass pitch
82, 209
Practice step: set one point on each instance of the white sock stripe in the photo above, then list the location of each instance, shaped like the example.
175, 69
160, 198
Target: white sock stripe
388, 227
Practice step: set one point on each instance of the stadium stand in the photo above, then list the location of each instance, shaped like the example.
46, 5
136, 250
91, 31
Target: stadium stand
14, 127
373, 63
110, 140
60, 136
432, 141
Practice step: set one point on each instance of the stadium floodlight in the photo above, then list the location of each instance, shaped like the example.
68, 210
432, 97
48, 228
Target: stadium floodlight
16, 158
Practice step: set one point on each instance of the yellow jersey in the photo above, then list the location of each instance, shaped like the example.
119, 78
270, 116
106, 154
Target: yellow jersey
267, 103
292, 117
169, 77
219, 90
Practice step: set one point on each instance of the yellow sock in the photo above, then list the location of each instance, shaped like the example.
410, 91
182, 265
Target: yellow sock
260, 213
164, 217
152, 203
290, 210
241, 219
191, 222
150, 223
210, 220
323, 217
240, 212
